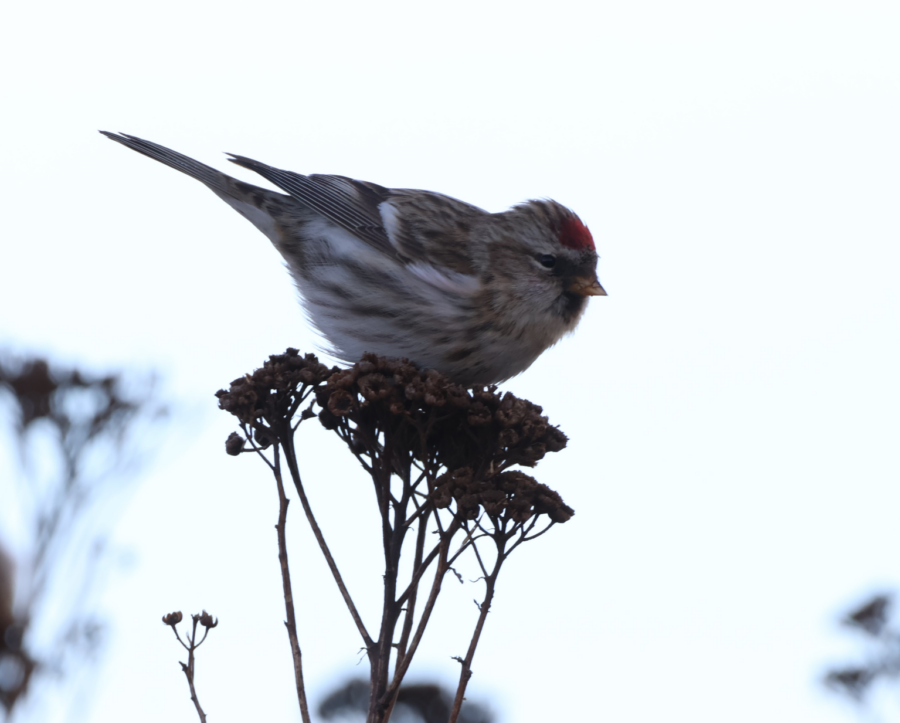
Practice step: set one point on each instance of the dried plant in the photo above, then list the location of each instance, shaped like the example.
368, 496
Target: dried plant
208, 622
77, 434
428, 702
440, 458
872, 619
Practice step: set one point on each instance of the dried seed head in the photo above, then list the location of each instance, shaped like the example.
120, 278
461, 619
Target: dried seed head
208, 621
413, 416
272, 390
422, 415
234, 445
172, 618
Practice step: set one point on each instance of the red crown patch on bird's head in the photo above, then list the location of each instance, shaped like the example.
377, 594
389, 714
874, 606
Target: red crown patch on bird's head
575, 235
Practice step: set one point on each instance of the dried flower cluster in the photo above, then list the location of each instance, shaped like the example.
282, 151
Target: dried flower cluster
271, 394
383, 404
188, 668
172, 618
512, 494
389, 409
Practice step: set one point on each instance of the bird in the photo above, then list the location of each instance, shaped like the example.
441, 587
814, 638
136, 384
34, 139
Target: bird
414, 274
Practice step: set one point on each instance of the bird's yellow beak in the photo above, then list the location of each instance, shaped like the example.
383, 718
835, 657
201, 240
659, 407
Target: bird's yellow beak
586, 286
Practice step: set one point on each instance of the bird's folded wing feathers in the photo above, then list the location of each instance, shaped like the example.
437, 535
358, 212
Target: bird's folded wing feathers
383, 217
350, 204
431, 246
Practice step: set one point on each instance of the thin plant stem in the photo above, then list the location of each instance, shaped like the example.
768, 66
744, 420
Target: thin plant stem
291, 457
188, 669
414, 588
440, 572
291, 622
485, 607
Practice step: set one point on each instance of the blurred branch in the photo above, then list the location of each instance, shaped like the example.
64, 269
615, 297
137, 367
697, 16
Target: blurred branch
429, 701
872, 620
75, 433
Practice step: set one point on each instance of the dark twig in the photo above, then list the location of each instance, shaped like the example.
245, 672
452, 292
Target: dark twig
420, 570
466, 673
440, 572
291, 457
291, 622
413, 591
208, 622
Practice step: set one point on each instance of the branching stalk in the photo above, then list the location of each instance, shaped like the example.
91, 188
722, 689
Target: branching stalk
396, 419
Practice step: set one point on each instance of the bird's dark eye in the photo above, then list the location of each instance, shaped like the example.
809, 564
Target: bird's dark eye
547, 260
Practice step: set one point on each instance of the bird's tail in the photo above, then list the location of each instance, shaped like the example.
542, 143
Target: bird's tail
258, 205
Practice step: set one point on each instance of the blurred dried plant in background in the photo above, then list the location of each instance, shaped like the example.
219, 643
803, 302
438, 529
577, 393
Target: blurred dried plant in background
79, 439
425, 702
882, 664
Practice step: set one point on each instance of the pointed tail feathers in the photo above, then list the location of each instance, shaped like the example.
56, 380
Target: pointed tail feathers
258, 205
216, 180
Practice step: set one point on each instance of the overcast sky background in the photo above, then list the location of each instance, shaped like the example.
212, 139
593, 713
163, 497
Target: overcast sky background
732, 405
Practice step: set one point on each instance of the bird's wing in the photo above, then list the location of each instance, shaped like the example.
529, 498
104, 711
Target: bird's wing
431, 229
417, 228
352, 205
429, 232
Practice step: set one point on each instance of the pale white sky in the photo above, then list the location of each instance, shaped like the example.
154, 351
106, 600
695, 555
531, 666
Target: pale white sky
732, 405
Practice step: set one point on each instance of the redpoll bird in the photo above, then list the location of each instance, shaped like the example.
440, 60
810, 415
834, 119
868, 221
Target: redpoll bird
477, 296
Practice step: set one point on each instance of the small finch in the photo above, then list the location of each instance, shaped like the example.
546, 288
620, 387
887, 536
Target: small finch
477, 296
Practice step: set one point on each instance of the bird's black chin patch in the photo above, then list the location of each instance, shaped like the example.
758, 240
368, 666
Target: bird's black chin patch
571, 305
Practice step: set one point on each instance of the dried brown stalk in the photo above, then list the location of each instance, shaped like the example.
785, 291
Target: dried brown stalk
208, 622
440, 457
